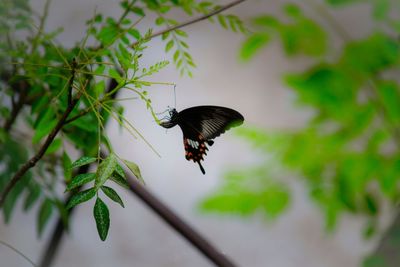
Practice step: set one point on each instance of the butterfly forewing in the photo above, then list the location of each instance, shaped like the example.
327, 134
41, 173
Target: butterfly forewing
208, 121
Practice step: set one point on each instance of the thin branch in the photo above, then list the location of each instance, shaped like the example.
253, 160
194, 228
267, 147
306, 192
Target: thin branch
191, 235
192, 21
32, 162
19, 253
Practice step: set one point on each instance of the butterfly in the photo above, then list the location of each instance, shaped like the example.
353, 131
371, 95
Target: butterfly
200, 125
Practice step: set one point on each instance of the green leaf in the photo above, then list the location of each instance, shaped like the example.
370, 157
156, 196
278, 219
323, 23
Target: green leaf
45, 212
67, 166
81, 197
14, 195
63, 212
159, 21
120, 171
303, 36
100, 70
55, 145
181, 33
371, 204
341, 2
43, 129
184, 44
275, 199
266, 22
370, 230
112, 195
293, 10
134, 33
126, 21
241, 203
108, 35
115, 74
134, 168
83, 161
100, 87
389, 93
87, 123
370, 55
119, 180
221, 20
105, 170
102, 218
326, 87
169, 45
375, 261
253, 44
32, 196
80, 180
381, 9
98, 18
176, 55
137, 11
165, 36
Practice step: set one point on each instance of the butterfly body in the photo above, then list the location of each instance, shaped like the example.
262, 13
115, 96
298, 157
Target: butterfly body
200, 125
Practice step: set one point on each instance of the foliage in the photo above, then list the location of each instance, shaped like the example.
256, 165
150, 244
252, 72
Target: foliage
348, 152
45, 85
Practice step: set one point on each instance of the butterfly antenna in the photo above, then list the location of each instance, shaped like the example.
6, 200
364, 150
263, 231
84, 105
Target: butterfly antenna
201, 168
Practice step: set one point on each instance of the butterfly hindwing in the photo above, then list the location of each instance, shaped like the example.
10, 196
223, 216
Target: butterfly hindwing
195, 150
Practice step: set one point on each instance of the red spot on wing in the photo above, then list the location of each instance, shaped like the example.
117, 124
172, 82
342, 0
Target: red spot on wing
195, 153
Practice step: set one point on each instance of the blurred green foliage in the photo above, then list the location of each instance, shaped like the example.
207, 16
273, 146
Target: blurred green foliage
348, 153
243, 196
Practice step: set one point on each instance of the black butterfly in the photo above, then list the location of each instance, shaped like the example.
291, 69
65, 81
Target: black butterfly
200, 125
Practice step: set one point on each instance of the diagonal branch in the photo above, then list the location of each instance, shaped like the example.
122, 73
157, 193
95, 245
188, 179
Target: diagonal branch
192, 21
191, 235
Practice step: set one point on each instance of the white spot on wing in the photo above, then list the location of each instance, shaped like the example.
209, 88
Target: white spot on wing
193, 144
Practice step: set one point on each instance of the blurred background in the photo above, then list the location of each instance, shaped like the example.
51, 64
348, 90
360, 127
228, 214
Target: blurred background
310, 179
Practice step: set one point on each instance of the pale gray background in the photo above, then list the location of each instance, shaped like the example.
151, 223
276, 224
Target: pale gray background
139, 238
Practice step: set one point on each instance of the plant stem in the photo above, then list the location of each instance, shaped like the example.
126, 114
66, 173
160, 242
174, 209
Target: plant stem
192, 21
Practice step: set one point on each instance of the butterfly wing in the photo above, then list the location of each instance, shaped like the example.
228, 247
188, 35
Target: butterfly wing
201, 124
208, 121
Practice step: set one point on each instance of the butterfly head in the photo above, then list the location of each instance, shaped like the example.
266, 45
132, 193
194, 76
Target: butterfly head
172, 120
172, 112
